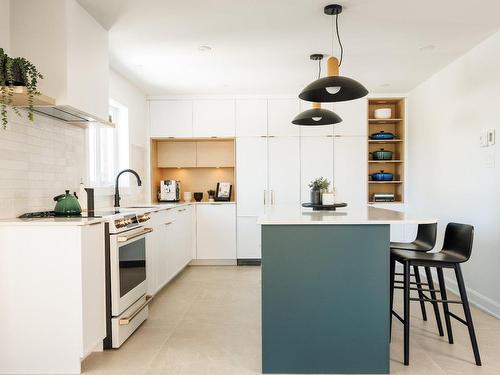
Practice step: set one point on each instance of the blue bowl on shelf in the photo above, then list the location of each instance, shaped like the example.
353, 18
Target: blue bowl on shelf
382, 176
382, 135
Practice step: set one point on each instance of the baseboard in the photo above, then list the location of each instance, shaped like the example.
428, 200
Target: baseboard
213, 262
249, 262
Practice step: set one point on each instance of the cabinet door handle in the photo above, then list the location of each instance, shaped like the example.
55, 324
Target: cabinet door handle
264, 197
183, 209
169, 222
272, 197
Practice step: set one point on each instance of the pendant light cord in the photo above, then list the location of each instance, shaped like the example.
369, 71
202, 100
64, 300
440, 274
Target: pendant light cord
319, 68
338, 38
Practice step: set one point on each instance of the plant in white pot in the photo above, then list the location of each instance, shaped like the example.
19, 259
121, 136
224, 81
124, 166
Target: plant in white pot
318, 187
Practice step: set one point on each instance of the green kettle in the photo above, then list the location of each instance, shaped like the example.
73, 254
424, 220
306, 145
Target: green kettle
67, 205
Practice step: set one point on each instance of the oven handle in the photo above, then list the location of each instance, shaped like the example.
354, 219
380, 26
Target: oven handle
135, 235
128, 319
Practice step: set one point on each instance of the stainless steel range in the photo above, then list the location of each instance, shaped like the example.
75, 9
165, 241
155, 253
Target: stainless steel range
126, 284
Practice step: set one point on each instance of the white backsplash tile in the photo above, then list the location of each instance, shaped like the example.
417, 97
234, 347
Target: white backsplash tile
40, 160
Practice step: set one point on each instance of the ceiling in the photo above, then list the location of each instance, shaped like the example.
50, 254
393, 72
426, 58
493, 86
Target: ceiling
263, 46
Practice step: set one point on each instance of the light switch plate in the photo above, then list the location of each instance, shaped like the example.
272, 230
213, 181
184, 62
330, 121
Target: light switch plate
491, 136
483, 138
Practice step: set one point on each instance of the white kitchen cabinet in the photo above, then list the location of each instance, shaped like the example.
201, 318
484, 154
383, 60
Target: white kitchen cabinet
171, 118
354, 115
213, 118
284, 171
216, 231
52, 280
319, 131
182, 246
249, 238
316, 160
281, 112
350, 169
251, 174
251, 117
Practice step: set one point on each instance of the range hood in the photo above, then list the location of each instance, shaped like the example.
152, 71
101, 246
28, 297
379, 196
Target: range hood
70, 115
70, 48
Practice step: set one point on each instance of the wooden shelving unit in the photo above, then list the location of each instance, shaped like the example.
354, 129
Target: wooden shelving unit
20, 98
395, 125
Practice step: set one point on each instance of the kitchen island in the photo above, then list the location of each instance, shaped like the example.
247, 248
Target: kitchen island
325, 289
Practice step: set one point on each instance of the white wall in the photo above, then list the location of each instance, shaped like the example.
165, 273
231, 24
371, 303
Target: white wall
5, 25
450, 177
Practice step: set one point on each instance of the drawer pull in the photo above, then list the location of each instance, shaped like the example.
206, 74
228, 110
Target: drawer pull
126, 320
135, 235
182, 209
169, 222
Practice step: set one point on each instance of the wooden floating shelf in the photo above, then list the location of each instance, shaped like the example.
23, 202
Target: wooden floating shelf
20, 98
385, 182
385, 140
385, 161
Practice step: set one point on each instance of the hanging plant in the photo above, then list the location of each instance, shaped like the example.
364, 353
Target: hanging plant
14, 72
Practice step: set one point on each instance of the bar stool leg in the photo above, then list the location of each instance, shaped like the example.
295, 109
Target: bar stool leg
444, 297
391, 286
406, 313
468, 315
420, 294
434, 304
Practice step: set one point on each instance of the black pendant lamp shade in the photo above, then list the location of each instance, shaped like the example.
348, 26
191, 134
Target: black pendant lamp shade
316, 116
333, 88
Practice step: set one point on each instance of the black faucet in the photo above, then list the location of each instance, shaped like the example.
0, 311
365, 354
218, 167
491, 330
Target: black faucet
117, 192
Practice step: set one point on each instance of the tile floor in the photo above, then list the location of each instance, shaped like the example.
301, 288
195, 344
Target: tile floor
207, 321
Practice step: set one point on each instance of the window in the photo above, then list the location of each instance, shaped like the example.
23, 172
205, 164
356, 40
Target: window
108, 148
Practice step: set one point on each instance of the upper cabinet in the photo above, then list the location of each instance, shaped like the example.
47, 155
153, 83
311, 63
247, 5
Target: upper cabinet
176, 154
251, 117
215, 154
354, 115
280, 115
171, 118
213, 118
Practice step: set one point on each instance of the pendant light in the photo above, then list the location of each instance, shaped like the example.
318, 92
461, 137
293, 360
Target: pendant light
317, 115
333, 88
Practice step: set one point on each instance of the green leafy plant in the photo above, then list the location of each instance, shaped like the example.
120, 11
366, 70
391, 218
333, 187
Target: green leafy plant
320, 184
14, 72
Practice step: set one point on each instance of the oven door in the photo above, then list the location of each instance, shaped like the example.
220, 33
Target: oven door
128, 268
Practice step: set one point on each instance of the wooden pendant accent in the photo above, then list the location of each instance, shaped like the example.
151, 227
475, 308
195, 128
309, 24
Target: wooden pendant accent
333, 66
316, 105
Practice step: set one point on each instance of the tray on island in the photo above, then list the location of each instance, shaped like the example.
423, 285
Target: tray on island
324, 207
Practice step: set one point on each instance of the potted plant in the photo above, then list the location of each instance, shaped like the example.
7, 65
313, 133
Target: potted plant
211, 195
318, 186
14, 72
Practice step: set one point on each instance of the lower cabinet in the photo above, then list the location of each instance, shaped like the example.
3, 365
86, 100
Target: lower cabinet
170, 245
216, 231
249, 244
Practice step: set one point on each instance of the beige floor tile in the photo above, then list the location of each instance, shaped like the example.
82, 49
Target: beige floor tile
207, 322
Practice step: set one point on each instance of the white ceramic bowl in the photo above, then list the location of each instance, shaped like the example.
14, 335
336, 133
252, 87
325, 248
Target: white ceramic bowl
383, 113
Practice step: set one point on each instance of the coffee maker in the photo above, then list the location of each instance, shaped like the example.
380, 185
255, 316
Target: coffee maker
170, 191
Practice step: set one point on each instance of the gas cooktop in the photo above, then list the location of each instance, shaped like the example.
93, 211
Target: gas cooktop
48, 214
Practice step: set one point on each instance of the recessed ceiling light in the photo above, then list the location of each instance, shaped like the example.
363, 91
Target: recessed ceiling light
428, 47
204, 48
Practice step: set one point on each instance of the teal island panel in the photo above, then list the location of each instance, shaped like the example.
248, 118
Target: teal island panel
325, 299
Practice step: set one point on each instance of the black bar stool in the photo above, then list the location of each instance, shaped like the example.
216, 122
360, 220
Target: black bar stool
425, 241
457, 248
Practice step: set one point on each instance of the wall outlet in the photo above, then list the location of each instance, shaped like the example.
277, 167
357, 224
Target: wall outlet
489, 160
491, 136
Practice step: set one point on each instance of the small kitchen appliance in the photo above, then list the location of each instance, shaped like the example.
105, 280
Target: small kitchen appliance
170, 191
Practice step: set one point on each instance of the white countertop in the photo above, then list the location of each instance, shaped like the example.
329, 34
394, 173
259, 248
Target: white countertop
343, 216
106, 214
